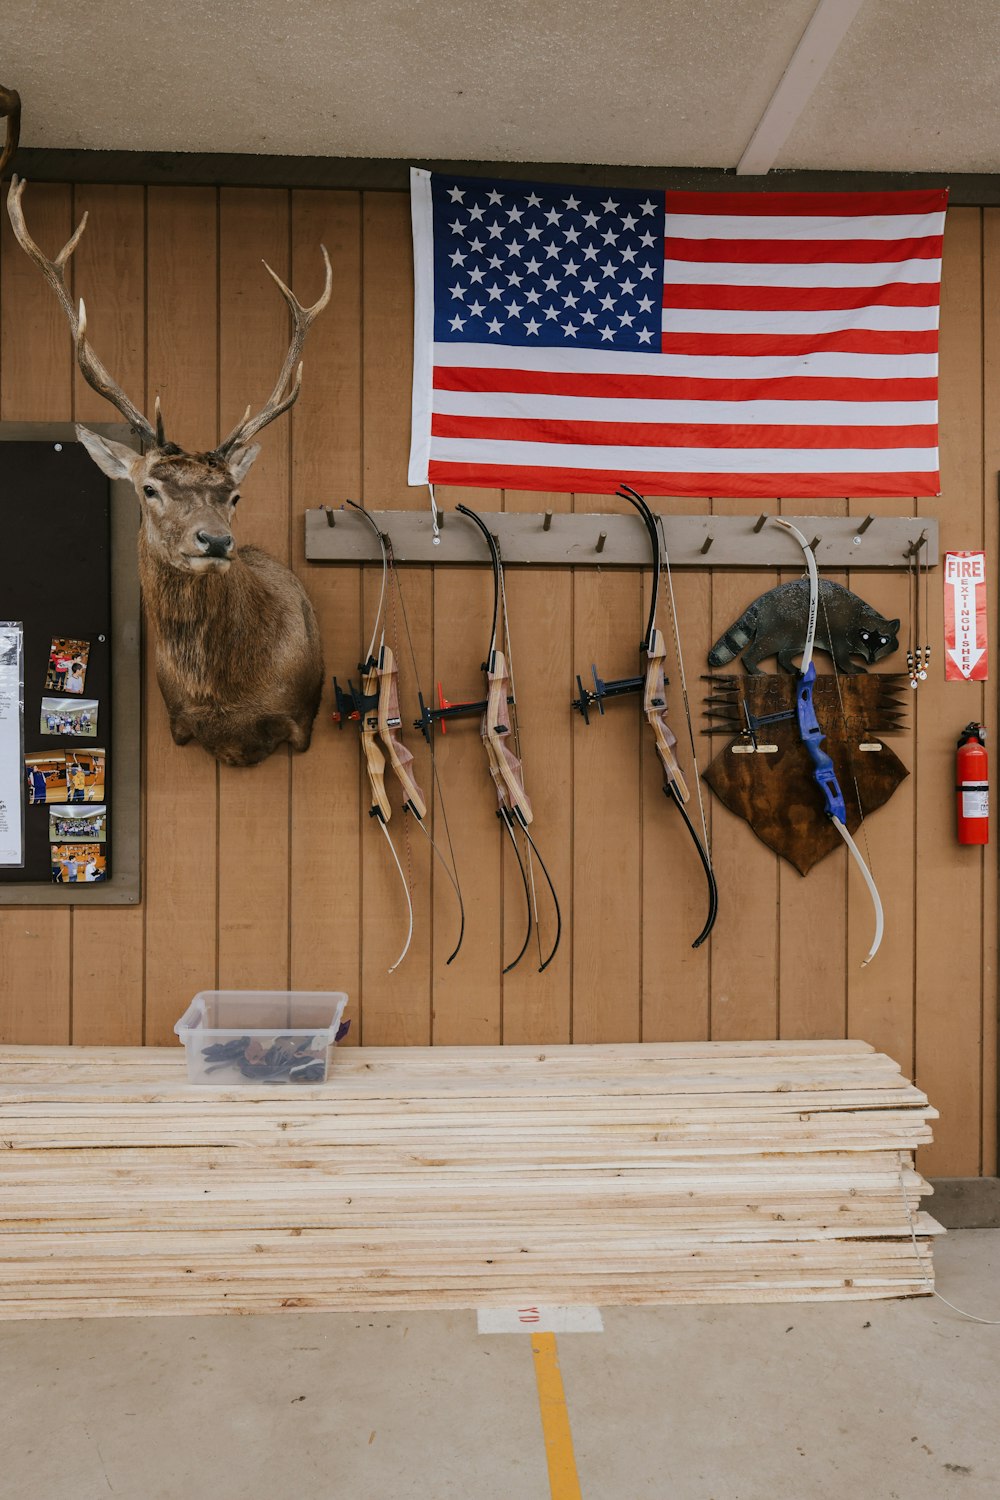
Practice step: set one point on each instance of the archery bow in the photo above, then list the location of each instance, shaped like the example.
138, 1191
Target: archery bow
376, 708
812, 737
652, 685
496, 724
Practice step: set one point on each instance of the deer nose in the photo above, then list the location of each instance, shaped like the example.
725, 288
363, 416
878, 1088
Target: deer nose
214, 546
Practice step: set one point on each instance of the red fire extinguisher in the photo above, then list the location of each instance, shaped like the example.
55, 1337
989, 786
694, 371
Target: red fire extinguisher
972, 786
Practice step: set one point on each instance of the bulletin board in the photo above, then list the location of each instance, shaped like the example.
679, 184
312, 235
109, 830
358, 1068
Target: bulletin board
68, 576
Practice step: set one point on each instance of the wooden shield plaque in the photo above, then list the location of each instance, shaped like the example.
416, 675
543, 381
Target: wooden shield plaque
774, 790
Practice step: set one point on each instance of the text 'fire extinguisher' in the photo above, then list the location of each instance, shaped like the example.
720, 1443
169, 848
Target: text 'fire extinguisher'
972, 786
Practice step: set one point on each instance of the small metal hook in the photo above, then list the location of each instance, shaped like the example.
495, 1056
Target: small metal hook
815, 543
707, 543
760, 523
547, 523
329, 516
915, 547
601, 541
865, 525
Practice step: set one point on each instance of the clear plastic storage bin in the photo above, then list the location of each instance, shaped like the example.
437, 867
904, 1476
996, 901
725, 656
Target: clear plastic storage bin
260, 1036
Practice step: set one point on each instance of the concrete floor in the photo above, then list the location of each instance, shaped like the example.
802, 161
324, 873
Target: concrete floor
851, 1401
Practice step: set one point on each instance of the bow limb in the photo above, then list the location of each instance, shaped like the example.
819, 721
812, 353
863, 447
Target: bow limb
503, 813
671, 791
824, 772
406, 890
544, 963
872, 889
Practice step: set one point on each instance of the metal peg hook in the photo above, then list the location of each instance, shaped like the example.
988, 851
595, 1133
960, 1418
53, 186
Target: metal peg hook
707, 543
865, 525
601, 541
760, 522
815, 543
547, 523
915, 547
330, 521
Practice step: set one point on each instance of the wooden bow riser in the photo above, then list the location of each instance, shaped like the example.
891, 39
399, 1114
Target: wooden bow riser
504, 764
374, 759
389, 724
654, 704
774, 789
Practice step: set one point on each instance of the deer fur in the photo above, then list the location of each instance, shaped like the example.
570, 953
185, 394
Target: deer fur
238, 654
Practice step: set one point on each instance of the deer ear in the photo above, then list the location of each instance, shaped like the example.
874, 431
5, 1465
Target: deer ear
242, 460
114, 459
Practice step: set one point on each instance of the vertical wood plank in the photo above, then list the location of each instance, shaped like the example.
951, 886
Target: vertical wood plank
745, 942
537, 1007
812, 972
991, 475
397, 1006
109, 273
254, 327
326, 438
608, 816
675, 976
880, 998
949, 912
35, 386
181, 782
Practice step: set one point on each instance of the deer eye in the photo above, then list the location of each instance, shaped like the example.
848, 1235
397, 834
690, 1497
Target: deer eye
149, 492
234, 499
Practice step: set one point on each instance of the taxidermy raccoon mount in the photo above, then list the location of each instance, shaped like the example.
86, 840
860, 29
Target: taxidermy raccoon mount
775, 625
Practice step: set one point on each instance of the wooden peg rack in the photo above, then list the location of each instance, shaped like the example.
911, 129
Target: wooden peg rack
557, 539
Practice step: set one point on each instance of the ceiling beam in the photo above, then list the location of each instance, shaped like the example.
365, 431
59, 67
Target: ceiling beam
823, 35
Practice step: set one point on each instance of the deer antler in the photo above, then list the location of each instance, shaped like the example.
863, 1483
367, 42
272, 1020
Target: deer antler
54, 272
10, 106
279, 401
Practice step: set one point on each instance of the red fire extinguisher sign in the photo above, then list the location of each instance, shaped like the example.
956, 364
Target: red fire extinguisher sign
965, 616
972, 786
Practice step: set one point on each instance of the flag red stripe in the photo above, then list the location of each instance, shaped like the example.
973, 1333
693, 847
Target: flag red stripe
759, 486
680, 387
678, 435
803, 252
825, 205
802, 298
845, 341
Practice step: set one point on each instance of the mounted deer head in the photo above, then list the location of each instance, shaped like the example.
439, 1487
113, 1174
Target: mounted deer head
238, 654
10, 109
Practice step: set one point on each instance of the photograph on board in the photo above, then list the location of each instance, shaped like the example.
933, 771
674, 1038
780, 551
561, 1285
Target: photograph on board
67, 669
76, 716
82, 825
46, 773
78, 864
84, 776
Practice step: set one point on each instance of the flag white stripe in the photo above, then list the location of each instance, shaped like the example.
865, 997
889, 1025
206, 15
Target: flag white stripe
483, 451
690, 366
828, 274
519, 405
832, 320
803, 226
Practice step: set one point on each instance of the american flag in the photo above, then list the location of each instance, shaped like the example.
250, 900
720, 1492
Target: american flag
749, 344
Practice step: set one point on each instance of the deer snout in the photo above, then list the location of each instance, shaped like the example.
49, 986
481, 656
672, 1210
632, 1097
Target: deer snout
214, 546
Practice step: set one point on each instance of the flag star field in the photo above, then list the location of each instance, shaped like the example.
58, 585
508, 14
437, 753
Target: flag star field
744, 344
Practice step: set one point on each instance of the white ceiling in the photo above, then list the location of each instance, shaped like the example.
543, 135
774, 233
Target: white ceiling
912, 87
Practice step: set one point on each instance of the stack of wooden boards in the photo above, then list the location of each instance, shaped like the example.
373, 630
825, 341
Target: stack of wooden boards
454, 1177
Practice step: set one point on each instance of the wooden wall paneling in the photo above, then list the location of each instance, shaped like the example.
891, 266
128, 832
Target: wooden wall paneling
537, 1008
254, 327
396, 1007
607, 809
812, 932
745, 942
326, 437
181, 782
880, 998
991, 475
949, 910
675, 976
109, 273
35, 386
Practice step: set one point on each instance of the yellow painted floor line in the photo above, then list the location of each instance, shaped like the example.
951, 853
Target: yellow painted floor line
564, 1483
